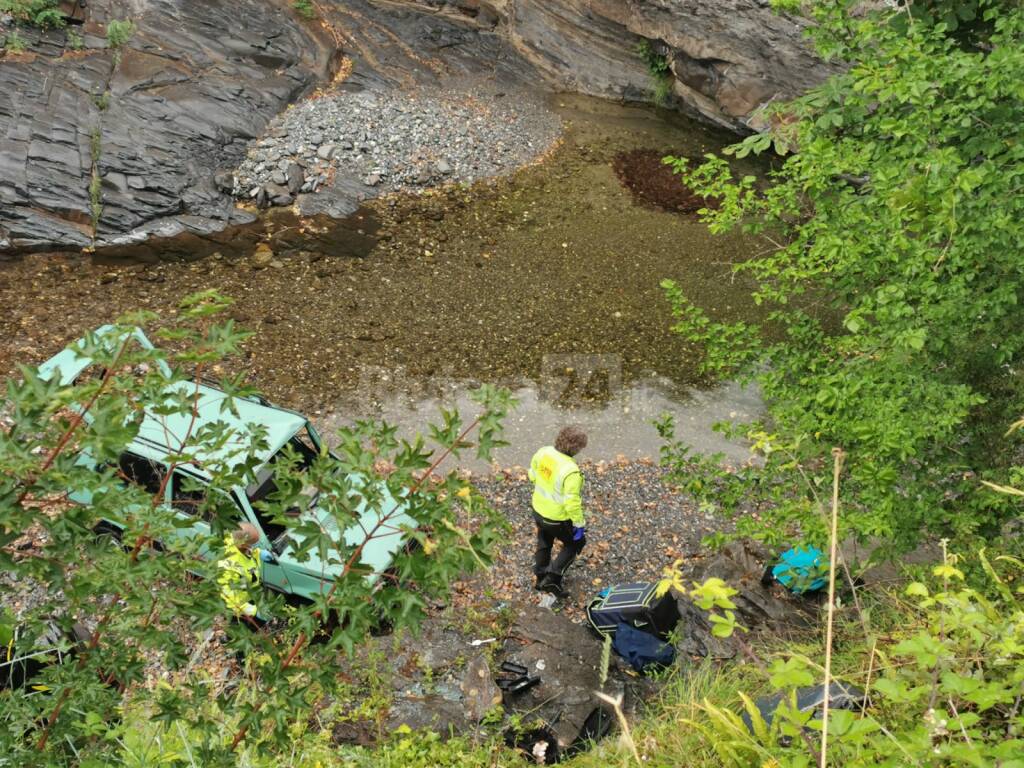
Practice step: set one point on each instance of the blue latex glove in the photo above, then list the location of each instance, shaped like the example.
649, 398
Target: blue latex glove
578, 533
267, 556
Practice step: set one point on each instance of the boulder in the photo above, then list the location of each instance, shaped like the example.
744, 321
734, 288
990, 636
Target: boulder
296, 178
224, 179
429, 712
263, 256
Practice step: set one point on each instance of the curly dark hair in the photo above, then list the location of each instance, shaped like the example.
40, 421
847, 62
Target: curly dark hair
571, 440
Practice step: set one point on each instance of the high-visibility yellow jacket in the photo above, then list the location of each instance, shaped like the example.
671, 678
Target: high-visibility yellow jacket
239, 573
557, 484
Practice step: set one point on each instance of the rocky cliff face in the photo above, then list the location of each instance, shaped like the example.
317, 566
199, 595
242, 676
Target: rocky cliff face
101, 147
727, 57
152, 123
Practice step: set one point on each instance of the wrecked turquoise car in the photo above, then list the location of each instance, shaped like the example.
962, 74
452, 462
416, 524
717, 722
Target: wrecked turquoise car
145, 462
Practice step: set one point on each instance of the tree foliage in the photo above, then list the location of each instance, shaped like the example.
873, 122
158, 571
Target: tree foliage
894, 238
141, 601
944, 685
39, 13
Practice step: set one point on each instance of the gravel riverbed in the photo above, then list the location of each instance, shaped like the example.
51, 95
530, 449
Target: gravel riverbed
636, 525
395, 140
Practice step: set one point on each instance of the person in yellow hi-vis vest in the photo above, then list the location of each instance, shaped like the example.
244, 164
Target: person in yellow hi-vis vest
240, 571
558, 508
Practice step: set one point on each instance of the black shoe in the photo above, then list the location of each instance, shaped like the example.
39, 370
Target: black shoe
538, 580
553, 585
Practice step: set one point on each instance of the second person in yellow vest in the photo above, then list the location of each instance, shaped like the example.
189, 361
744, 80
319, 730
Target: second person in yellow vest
558, 508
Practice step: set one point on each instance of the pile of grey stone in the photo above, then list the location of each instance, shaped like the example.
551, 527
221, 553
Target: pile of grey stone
389, 141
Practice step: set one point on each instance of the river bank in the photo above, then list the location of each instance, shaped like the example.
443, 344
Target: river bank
509, 281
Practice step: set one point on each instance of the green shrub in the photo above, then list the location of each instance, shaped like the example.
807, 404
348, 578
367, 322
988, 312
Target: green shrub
890, 274
38, 13
119, 32
945, 674
95, 199
659, 70
144, 600
15, 43
305, 8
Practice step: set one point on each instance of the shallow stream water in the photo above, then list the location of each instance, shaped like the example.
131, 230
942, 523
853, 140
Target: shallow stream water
546, 281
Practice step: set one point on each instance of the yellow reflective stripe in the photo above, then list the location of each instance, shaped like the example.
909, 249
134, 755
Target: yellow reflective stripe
551, 496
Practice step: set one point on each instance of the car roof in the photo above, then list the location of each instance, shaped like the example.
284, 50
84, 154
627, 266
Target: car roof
164, 434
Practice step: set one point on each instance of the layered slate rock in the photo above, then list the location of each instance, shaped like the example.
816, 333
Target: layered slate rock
195, 83
728, 58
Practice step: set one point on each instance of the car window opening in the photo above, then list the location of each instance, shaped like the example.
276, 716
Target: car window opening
141, 472
189, 501
264, 485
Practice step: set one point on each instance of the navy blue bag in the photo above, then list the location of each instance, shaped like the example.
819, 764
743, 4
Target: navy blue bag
641, 649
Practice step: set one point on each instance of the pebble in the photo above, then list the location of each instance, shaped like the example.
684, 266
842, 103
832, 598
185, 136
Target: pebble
395, 141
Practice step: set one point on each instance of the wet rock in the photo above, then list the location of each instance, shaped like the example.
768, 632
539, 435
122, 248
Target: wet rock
296, 178
263, 256
479, 691
278, 195
567, 657
279, 178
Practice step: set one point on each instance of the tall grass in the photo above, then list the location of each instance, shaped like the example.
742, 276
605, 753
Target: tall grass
660, 735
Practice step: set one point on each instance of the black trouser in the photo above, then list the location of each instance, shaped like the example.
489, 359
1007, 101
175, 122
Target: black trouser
547, 532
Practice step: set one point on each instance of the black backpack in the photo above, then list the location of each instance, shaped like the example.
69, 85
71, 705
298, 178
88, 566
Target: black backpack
634, 604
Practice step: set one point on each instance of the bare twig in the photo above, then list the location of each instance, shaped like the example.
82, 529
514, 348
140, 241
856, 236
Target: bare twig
616, 704
867, 683
837, 455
